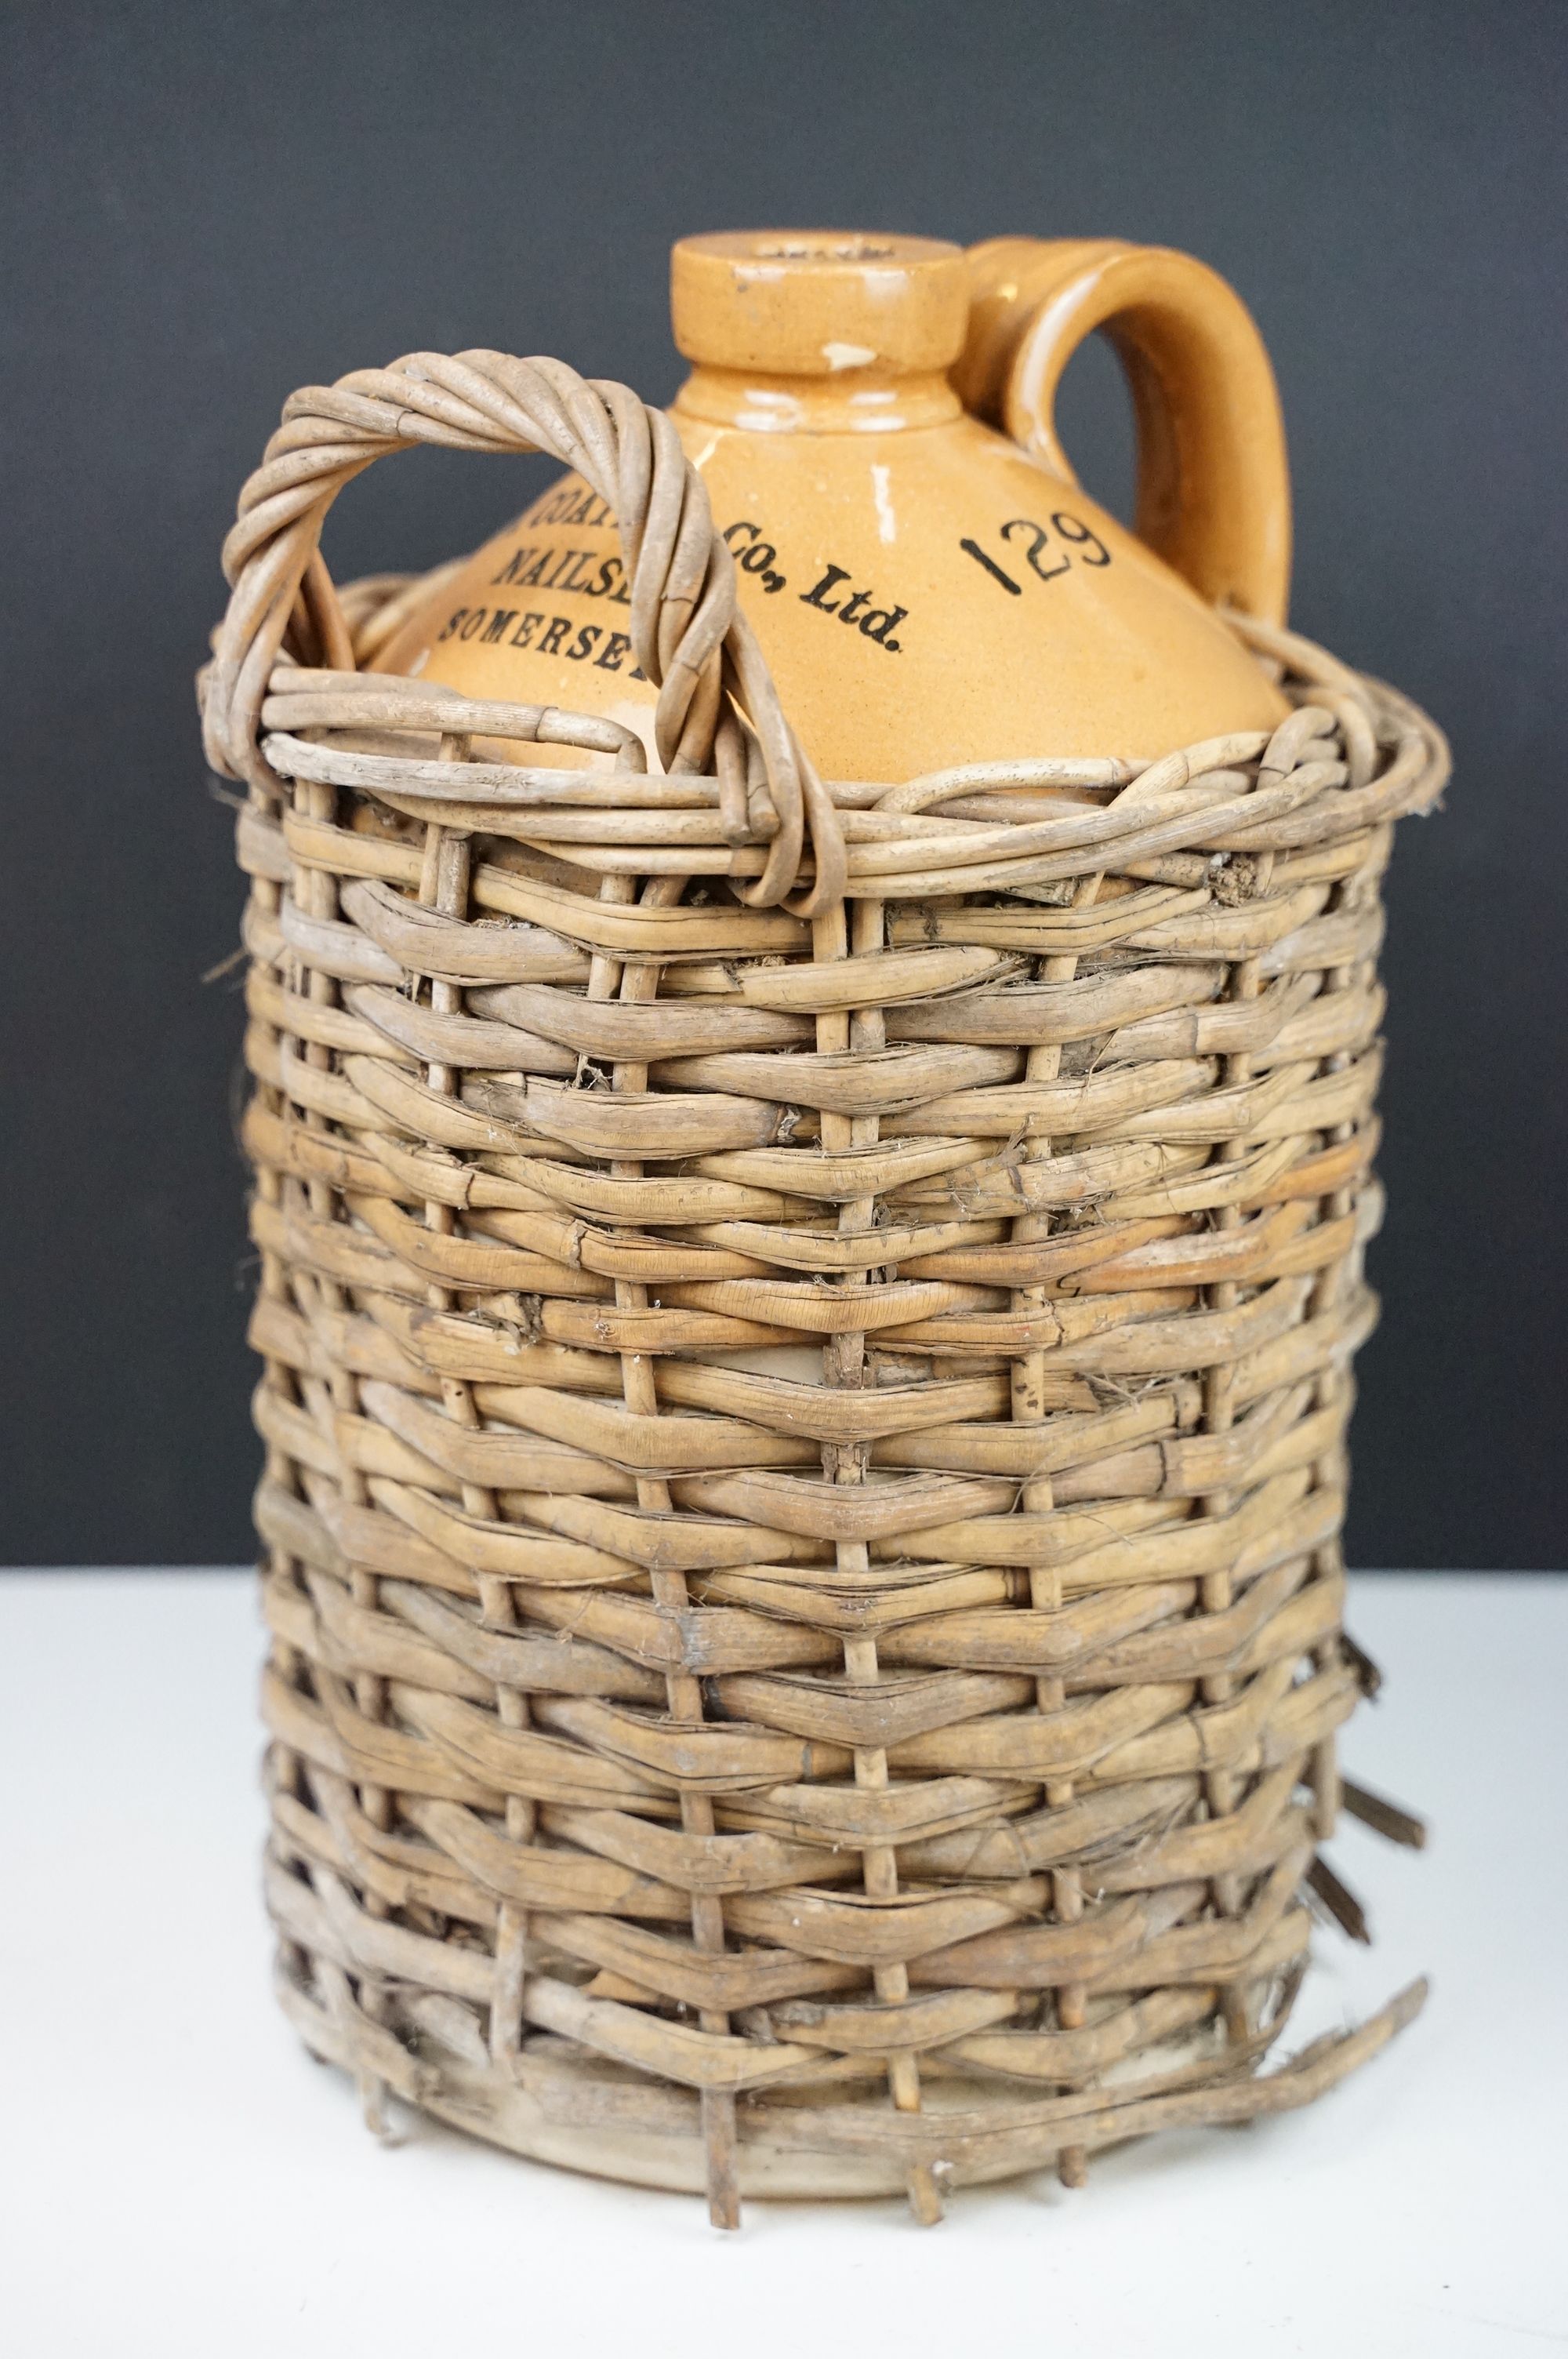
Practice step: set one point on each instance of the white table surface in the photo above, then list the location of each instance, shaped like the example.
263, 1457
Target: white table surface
176, 2178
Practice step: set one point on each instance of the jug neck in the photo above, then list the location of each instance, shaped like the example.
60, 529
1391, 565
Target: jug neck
850, 401
819, 332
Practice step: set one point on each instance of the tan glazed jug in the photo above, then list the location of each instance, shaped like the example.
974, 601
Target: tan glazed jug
928, 589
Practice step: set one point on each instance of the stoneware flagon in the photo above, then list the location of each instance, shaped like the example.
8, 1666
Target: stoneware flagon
928, 590
813, 1014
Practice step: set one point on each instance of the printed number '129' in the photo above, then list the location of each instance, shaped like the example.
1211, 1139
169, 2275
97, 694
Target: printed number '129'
1034, 540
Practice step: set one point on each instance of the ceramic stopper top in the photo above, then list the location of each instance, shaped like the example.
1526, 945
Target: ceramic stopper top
814, 302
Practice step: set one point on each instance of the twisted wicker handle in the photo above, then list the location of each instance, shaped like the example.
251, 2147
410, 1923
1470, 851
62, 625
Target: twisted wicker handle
689, 634
1214, 487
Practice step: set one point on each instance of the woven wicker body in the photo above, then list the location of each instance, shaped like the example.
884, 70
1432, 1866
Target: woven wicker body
804, 1444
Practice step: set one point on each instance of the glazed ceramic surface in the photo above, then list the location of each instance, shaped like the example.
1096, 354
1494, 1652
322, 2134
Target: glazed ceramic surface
928, 589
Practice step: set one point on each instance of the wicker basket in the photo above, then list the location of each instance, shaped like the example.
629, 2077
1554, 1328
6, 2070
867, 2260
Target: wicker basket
804, 1439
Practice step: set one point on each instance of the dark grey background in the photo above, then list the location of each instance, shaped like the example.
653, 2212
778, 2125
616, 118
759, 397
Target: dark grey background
208, 206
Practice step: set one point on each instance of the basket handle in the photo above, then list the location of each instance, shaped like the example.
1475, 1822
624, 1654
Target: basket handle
686, 629
1214, 492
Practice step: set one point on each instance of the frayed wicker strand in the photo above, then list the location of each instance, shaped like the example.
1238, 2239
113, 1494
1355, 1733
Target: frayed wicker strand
805, 1442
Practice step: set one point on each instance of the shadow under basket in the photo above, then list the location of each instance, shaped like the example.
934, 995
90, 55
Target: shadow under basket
805, 1453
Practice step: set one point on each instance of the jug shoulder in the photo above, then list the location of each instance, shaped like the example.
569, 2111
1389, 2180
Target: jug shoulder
926, 597
539, 615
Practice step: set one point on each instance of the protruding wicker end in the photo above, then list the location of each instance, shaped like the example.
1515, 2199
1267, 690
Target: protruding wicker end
1385, 1818
1341, 1903
373, 2106
925, 2195
1369, 1676
1072, 2166
718, 2136
1324, 2062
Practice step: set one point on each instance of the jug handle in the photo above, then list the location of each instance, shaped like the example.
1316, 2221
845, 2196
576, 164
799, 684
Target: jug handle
1214, 496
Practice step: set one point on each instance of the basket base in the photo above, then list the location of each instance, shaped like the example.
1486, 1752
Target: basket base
489, 2103
553, 2106
580, 2115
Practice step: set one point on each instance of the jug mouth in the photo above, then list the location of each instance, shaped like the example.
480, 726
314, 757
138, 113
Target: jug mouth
819, 303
